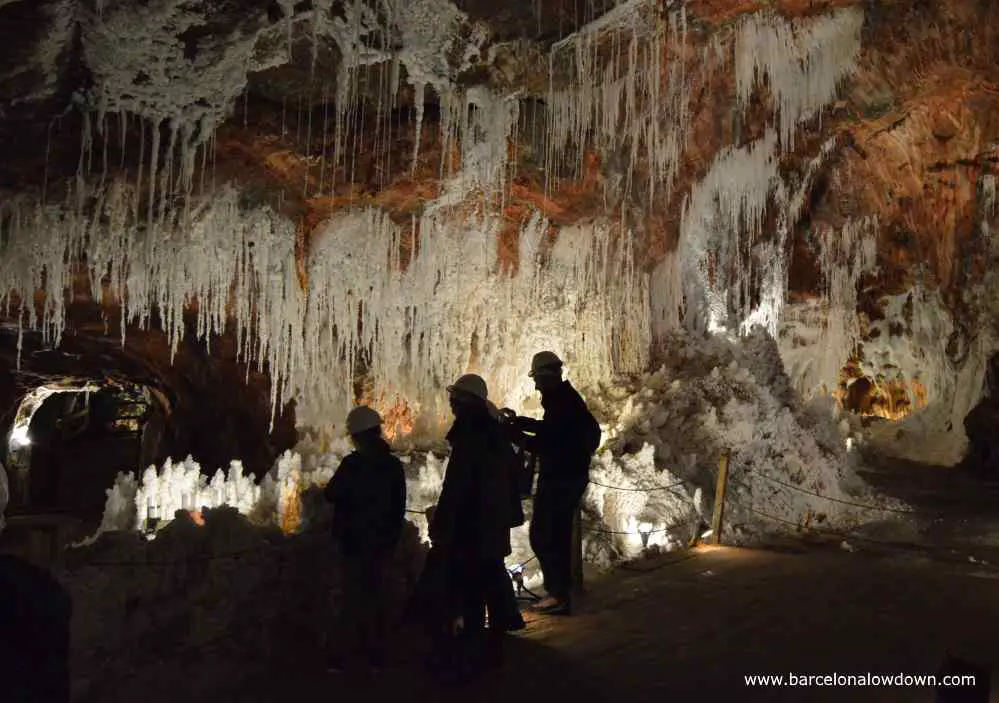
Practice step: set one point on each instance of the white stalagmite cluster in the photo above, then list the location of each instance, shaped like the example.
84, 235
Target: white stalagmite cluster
803, 61
177, 486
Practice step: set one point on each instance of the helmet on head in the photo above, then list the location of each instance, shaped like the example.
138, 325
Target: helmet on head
545, 362
470, 384
361, 419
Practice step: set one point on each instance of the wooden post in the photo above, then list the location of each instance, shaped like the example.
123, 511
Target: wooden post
577, 555
716, 520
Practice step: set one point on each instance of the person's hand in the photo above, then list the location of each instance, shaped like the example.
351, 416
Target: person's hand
508, 414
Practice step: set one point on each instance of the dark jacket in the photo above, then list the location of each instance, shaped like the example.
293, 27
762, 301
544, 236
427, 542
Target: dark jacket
473, 515
368, 493
563, 438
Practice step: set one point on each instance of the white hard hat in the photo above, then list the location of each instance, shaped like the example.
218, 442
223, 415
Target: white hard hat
4, 496
544, 361
471, 384
361, 419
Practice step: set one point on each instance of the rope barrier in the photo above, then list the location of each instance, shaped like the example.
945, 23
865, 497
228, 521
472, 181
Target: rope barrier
675, 525
848, 534
667, 487
521, 565
865, 506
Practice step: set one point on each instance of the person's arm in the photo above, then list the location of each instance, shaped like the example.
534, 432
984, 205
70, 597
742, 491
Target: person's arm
527, 424
528, 433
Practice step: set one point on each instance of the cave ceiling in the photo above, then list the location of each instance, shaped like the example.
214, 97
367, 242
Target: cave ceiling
910, 138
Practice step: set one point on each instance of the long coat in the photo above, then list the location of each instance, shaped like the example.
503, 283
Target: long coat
473, 515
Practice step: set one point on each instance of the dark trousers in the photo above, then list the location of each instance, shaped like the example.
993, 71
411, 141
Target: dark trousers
480, 589
509, 613
555, 506
361, 626
482, 585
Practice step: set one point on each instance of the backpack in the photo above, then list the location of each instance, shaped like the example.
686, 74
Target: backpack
513, 462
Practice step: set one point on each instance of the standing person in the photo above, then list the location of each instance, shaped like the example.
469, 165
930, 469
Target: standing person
368, 493
564, 441
35, 613
471, 524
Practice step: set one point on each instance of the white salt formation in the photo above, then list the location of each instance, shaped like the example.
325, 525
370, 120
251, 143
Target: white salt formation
712, 397
449, 309
818, 337
664, 433
918, 344
632, 107
802, 61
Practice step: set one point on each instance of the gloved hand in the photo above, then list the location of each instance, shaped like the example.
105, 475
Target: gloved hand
507, 414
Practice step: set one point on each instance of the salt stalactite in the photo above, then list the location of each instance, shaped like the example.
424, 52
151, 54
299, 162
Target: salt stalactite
771, 256
420, 327
417, 326
421, 35
820, 338
722, 218
632, 106
217, 255
35, 258
139, 66
481, 123
990, 201
666, 295
804, 61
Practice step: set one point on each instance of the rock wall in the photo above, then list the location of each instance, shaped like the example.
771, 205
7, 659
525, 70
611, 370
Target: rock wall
137, 603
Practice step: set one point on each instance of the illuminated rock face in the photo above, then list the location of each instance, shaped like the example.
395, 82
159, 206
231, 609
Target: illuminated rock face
354, 202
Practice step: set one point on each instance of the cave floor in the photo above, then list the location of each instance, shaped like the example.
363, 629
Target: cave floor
675, 629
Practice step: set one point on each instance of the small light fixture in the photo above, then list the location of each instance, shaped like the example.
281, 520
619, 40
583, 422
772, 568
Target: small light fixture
152, 518
701, 532
19, 438
644, 531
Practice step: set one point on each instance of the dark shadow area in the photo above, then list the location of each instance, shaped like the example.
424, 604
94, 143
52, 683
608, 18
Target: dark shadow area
531, 672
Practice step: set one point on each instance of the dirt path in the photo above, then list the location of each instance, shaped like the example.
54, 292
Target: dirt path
680, 631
